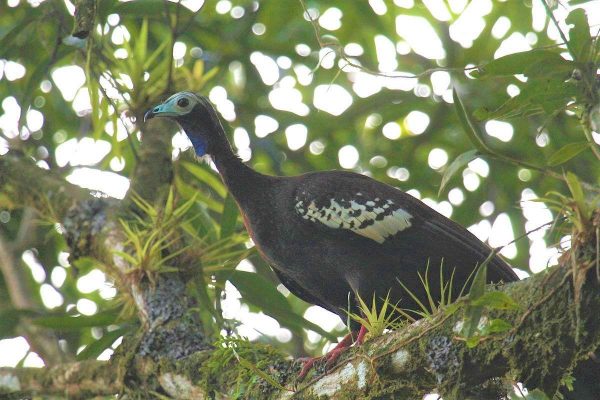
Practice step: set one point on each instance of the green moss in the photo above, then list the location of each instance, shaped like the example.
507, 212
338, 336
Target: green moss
240, 369
188, 366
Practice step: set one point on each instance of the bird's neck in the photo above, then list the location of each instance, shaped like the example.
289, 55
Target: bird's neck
245, 184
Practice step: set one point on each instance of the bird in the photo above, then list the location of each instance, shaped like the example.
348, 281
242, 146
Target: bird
334, 237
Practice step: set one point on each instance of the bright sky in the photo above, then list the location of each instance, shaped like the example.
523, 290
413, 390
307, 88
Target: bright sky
414, 34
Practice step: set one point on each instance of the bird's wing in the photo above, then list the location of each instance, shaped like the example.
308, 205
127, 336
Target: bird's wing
296, 289
358, 204
361, 211
459, 237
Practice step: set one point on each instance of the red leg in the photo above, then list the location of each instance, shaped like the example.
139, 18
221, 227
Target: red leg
330, 356
361, 336
345, 342
335, 353
307, 366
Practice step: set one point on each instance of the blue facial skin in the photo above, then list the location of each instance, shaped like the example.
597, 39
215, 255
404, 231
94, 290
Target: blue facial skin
199, 145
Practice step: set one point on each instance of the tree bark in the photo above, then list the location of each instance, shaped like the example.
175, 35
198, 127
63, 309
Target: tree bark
548, 338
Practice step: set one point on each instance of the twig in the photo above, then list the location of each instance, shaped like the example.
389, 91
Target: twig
174, 33
41, 341
114, 105
26, 234
499, 248
15, 279
338, 50
587, 131
561, 33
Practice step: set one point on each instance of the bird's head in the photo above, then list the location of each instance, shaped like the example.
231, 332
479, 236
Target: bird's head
196, 116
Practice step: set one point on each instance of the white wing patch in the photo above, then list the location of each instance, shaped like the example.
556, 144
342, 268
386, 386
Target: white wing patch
374, 219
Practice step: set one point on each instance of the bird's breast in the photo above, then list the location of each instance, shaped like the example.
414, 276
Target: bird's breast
258, 242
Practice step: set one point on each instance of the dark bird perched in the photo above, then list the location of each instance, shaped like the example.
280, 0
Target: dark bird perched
330, 236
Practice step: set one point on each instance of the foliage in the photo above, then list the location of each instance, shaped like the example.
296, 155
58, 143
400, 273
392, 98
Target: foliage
154, 240
253, 370
377, 318
446, 300
246, 55
476, 326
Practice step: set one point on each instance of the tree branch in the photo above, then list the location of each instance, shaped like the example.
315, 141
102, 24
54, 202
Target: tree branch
42, 341
74, 380
25, 184
154, 171
549, 336
541, 349
26, 235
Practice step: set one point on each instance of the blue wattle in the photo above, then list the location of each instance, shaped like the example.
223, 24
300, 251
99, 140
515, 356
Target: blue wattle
199, 145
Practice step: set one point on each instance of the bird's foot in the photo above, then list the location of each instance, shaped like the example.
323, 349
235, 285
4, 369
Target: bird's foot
330, 359
307, 364
332, 356
361, 336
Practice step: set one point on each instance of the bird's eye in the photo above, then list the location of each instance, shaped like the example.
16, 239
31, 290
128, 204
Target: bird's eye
183, 102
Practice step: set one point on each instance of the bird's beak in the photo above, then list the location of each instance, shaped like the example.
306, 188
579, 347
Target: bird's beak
149, 114
161, 110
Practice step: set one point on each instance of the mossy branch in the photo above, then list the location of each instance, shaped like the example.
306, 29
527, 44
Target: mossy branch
74, 380
548, 340
85, 14
154, 171
25, 184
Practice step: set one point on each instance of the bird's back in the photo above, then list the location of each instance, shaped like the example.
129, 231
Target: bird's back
347, 233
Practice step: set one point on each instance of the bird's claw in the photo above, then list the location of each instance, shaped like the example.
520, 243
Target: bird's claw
333, 356
330, 359
308, 364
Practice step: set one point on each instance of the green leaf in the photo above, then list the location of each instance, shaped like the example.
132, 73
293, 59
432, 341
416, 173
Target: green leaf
15, 38
150, 8
206, 176
96, 348
70, 322
536, 97
85, 264
473, 341
496, 326
141, 43
577, 193
9, 318
473, 312
533, 63
473, 131
258, 291
229, 216
496, 300
188, 192
457, 164
148, 62
580, 40
567, 152
478, 287
268, 378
